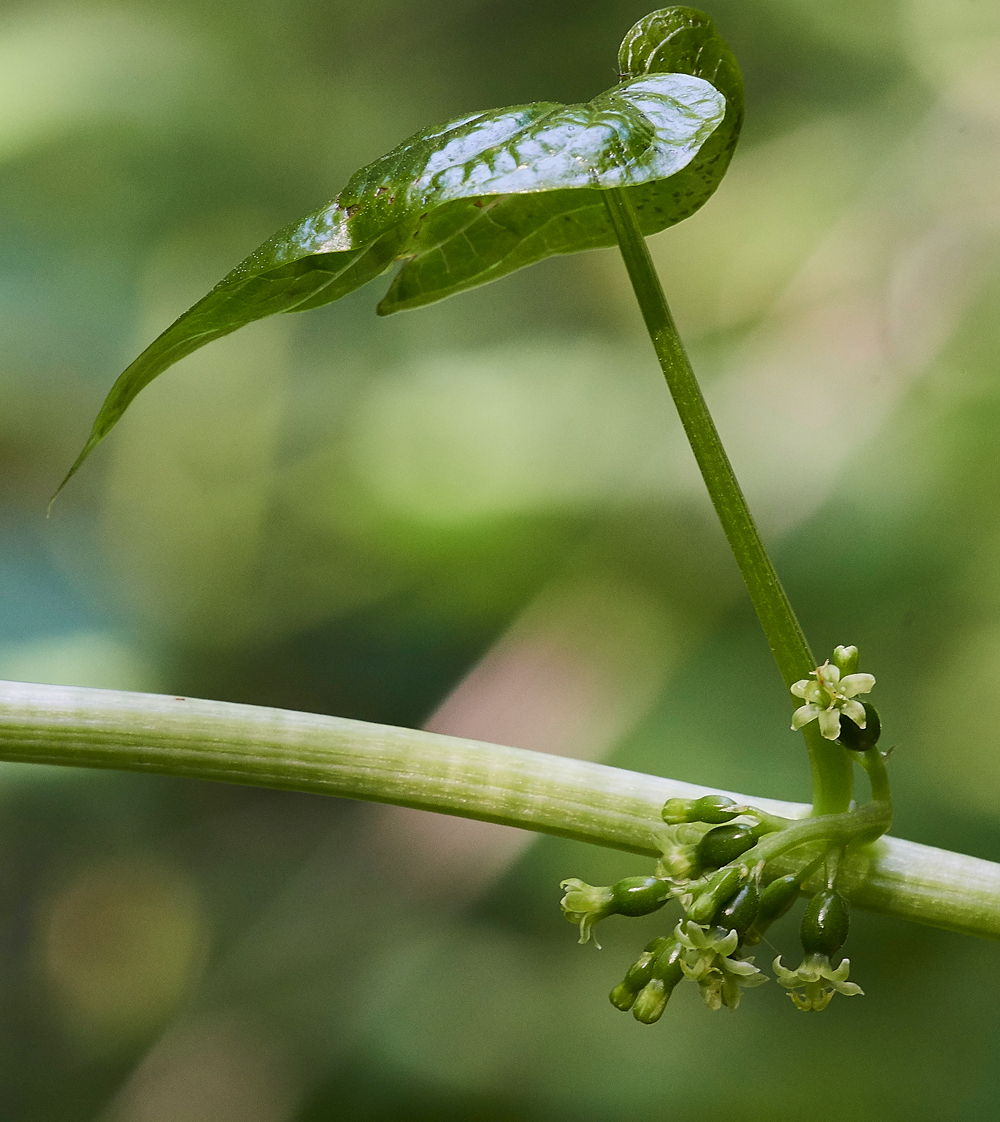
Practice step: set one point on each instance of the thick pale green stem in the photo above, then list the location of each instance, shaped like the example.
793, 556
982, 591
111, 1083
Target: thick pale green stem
332, 756
832, 772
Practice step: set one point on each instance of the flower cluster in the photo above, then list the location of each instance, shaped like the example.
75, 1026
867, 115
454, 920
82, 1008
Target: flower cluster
708, 960
727, 865
833, 694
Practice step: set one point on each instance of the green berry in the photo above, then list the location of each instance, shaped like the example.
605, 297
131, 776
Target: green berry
638, 896
738, 913
639, 973
775, 901
724, 844
778, 897
858, 739
825, 923
723, 885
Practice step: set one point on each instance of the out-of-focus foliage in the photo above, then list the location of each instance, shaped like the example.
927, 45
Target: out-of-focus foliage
481, 516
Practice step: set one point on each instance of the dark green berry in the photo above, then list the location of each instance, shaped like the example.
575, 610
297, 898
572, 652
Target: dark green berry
721, 888
638, 896
825, 923
858, 739
667, 964
639, 973
738, 913
775, 901
724, 844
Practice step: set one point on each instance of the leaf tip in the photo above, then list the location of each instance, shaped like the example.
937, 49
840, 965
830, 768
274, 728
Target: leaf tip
91, 444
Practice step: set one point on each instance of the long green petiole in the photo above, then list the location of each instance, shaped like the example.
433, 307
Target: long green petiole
831, 769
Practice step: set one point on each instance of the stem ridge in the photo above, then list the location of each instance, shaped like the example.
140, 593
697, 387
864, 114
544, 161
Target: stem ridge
576, 799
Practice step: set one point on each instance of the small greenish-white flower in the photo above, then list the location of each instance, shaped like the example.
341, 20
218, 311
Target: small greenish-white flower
585, 904
706, 960
829, 697
818, 979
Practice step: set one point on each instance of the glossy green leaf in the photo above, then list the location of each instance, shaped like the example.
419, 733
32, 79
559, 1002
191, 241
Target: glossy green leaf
474, 199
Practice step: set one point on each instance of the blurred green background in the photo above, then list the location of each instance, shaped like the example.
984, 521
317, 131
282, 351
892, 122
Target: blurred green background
480, 517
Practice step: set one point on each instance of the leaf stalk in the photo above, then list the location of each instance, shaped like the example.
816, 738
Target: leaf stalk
831, 769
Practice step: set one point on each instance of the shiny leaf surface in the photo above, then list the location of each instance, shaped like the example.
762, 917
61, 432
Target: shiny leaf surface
475, 199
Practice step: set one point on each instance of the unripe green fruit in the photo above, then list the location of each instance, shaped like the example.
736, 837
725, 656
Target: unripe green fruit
739, 912
825, 924
667, 964
722, 887
639, 973
724, 844
858, 739
775, 901
778, 897
709, 808
638, 896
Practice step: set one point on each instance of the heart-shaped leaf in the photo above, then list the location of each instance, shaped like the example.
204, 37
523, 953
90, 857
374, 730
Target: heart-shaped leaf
474, 199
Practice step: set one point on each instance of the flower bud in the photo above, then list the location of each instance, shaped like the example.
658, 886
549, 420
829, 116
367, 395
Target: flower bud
622, 997
845, 659
639, 973
709, 808
650, 1002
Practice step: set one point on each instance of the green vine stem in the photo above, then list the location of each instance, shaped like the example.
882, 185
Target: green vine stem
552, 794
832, 772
